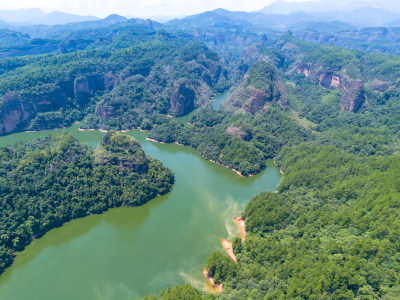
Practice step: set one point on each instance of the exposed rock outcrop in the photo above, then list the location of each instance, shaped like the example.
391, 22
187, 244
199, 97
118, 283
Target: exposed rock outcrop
352, 90
329, 79
17, 108
85, 85
260, 86
245, 135
149, 24
353, 94
123, 151
182, 99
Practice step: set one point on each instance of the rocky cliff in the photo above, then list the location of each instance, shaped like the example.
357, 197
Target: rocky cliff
260, 87
353, 94
352, 90
85, 85
182, 99
19, 107
186, 96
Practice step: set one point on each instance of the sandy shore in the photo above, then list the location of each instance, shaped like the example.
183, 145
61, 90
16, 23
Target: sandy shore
228, 248
102, 130
80, 129
240, 222
216, 288
280, 170
151, 140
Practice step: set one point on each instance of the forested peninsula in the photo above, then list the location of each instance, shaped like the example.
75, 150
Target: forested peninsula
328, 116
52, 180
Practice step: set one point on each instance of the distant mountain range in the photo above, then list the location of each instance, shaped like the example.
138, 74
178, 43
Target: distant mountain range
280, 15
36, 16
359, 17
286, 7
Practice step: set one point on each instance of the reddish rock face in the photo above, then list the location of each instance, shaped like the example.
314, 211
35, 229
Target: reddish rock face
251, 97
18, 108
335, 81
306, 71
352, 90
182, 99
353, 95
327, 80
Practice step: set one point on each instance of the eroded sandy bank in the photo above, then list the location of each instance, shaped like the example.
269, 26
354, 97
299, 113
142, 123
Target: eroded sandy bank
228, 248
240, 222
216, 288
280, 170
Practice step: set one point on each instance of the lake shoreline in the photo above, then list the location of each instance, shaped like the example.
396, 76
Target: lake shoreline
242, 227
217, 288
179, 158
280, 170
229, 249
210, 160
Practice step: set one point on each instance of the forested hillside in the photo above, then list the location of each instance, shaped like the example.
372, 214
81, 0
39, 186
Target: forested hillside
134, 78
328, 116
330, 231
55, 179
302, 93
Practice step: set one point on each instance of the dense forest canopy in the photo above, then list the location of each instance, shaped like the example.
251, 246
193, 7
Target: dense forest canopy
330, 231
328, 116
136, 79
52, 180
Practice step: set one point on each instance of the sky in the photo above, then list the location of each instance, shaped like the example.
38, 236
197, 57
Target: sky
137, 8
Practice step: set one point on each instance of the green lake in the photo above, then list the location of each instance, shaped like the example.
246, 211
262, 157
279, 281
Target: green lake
127, 253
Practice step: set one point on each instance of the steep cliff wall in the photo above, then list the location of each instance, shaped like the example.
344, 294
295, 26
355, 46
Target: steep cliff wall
18, 108
182, 99
261, 86
85, 85
352, 90
353, 94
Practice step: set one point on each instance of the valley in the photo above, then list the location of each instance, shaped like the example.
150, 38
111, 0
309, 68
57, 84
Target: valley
129, 147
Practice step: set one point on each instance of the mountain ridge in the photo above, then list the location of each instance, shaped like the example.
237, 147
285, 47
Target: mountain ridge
36, 16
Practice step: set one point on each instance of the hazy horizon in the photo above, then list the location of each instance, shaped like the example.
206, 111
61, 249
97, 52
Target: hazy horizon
150, 8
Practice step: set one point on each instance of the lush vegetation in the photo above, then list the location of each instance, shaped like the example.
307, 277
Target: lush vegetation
242, 141
185, 291
55, 179
332, 229
239, 142
331, 232
133, 80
